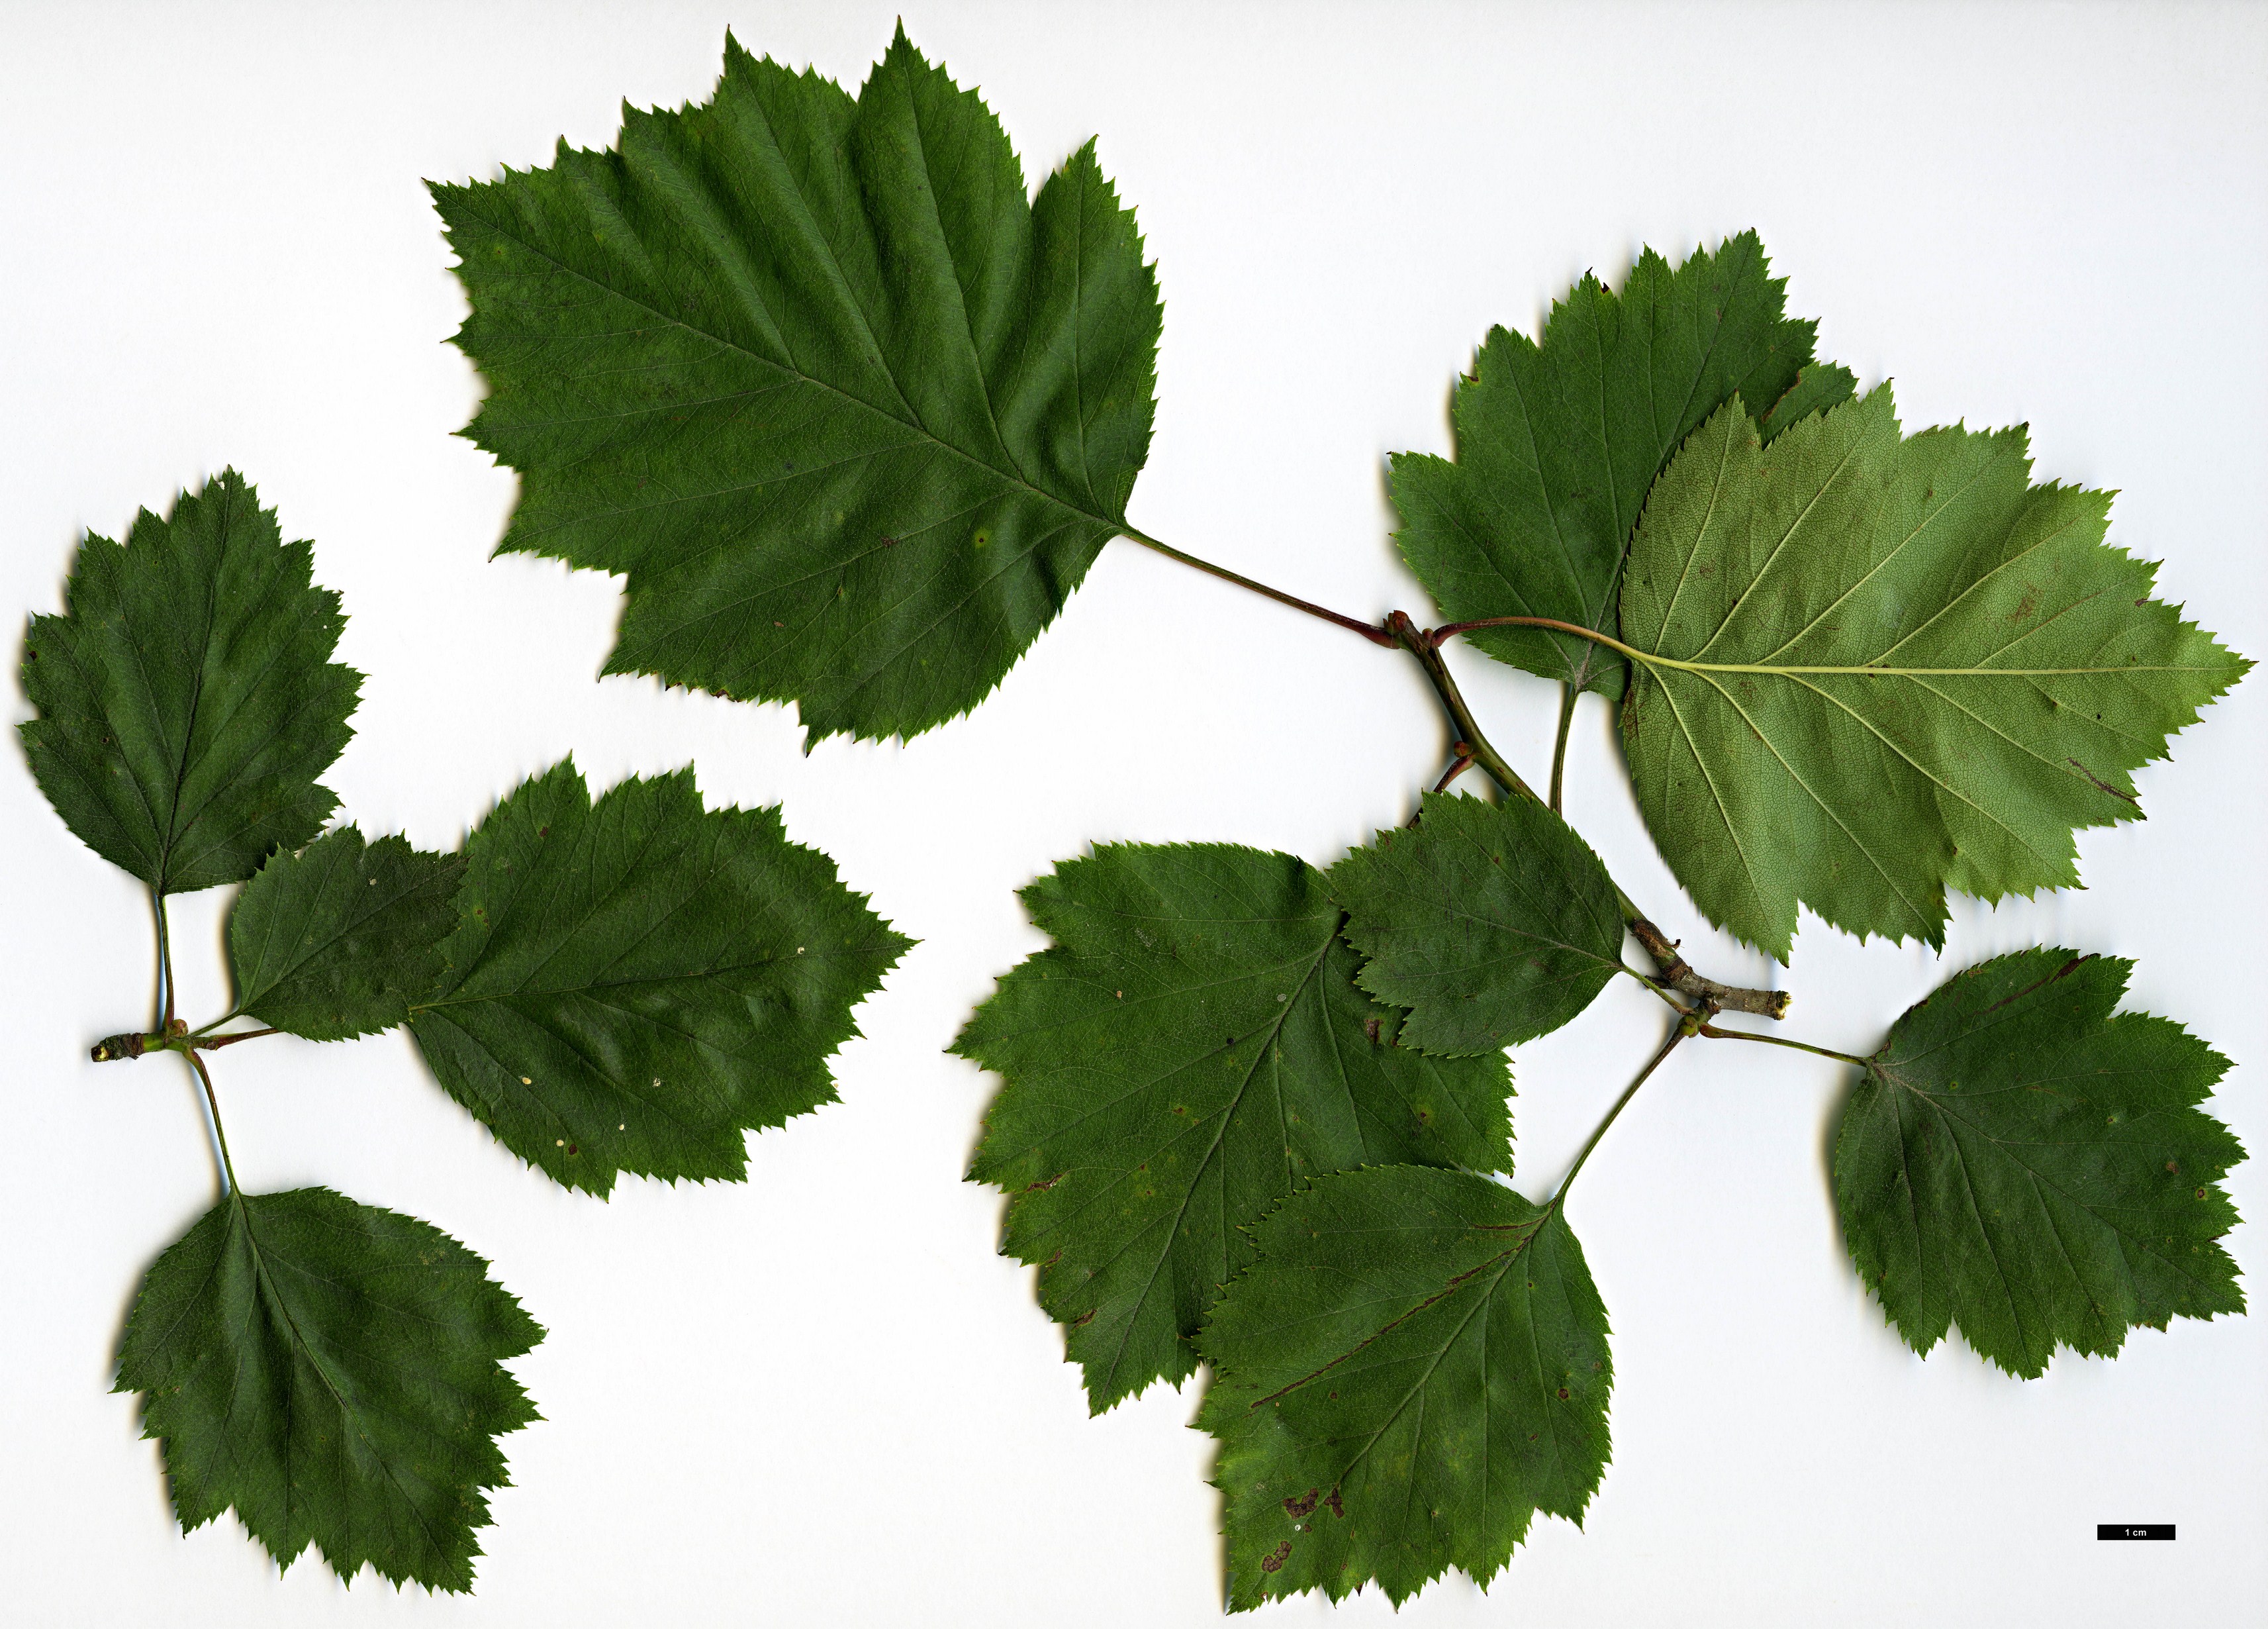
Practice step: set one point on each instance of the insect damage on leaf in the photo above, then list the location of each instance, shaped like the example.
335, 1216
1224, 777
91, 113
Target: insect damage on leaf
1192, 1049
186, 699
850, 414
1557, 443
1870, 667
1415, 1365
2022, 1161
636, 982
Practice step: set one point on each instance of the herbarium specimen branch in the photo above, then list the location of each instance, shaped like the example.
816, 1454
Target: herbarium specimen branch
623, 985
851, 411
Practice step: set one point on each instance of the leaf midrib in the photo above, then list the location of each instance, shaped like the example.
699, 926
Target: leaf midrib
273, 1294
1503, 1263
1007, 477
1274, 1030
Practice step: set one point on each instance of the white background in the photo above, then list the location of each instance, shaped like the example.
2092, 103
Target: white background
821, 1397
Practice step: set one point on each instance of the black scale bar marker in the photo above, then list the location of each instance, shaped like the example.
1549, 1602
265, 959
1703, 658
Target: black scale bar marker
2161, 1529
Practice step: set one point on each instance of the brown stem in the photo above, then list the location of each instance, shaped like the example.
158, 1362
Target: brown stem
1421, 645
1678, 973
1352, 624
1458, 765
1426, 645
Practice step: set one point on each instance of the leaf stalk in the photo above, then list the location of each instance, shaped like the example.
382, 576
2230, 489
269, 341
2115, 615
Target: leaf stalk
1567, 696
1400, 630
165, 964
1352, 624
1426, 645
1715, 1034
1691, 1024
212, 1107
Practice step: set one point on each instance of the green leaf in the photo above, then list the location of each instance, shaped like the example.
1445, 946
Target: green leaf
851, 417
1557, 443
1192, 1049
186, 698
1871, 669
1491, 924
336, 941
2019, 1160
635, 983
333, 1373
1821, 385
1416, 1365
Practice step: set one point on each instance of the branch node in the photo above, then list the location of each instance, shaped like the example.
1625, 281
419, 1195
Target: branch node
114, 1049
1678, 974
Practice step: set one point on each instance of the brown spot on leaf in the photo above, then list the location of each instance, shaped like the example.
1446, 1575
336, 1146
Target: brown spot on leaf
1299, 1509
2103, 785
1083, 1320
2065, 971
1338, 1509
1045, 1184
1563, 1394
2171, 1166
1274, 1558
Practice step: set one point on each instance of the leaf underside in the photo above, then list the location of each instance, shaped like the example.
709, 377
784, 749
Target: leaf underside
635, 983
336, 941
333, 1372
186, 699
850, 416
1875, 668
2020, 1161
1192, 1049
1557, 443
1491, 923
1415, 1366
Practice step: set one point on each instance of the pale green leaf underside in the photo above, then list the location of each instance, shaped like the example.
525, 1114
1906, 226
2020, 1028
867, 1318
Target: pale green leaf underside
1870, 669
1491, 924
635, 983
851, 414
1416, 1365
2021, 1162
186, 699
332, 1372
336, 941
1557, 443
1192, 1051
